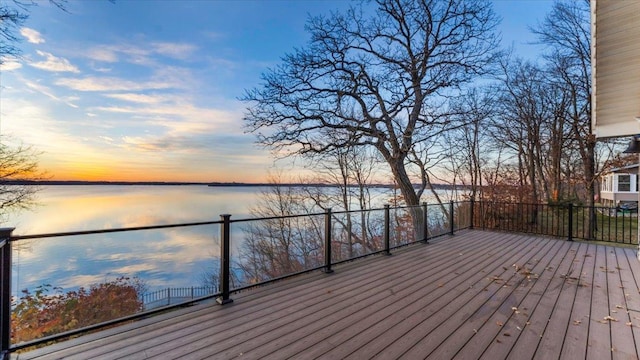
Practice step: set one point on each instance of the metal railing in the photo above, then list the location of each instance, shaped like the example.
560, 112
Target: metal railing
170, 296
568, 221
341, 236
375, 234
5, 292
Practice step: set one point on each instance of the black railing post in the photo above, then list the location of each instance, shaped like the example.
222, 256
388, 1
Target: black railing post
5, 292
426, 223
451, 217
327, 242
387, 229
471, 212
570, 225
482, 214
225, 263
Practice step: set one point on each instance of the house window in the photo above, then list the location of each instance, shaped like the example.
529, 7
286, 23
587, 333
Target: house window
624, 183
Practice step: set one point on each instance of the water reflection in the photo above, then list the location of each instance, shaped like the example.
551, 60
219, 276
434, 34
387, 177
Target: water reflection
173, 257
89, 207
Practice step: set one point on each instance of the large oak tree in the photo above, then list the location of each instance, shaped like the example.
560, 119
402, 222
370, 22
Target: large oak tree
378, 75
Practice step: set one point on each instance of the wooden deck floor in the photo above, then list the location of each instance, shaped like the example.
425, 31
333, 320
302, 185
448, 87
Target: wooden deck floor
475, 295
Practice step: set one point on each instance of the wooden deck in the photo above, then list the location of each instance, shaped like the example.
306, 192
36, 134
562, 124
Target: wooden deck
475, 295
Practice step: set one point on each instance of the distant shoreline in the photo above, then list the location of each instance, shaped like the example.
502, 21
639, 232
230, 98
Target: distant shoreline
178, 183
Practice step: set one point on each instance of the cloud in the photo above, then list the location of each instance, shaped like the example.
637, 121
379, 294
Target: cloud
54, 64
110, 84
10, 65
32, 36
136, 98
103, 54
140, 54
183, 117
174, 50
162, 143
47, 92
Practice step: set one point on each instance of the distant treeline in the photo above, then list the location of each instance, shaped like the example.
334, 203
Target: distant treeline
384, 186
75, 182
214, 184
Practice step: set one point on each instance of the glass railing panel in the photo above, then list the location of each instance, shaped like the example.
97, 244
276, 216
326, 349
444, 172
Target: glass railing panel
69, 282
265, 249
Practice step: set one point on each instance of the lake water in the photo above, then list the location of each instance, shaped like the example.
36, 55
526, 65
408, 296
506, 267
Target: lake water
175, 257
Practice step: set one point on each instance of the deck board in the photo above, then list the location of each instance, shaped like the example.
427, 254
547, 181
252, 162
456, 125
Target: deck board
486, 296
620, 328
578, 329
478, 294
599, 341
511, 316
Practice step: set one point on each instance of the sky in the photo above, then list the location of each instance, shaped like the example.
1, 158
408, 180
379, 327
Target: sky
142, 90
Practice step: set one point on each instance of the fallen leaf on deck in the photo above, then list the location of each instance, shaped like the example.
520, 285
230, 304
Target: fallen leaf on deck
499, 323
610, 318
506, 334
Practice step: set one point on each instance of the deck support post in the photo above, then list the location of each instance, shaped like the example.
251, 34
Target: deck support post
225, 263
425, 219
327, 242
638, 211
387, 230
5, 292
472, 204
570, 225
451, 218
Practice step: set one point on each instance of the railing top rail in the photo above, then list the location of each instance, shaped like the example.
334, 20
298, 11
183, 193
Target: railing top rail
103, 231
166, 226
275, 217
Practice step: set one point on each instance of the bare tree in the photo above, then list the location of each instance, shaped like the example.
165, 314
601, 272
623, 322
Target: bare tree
382, 80
471, 145
566, 30
349, 172
18, 169
18, 163
13, 14
284, 242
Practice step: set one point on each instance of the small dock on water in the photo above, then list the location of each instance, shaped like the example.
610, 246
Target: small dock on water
474, 295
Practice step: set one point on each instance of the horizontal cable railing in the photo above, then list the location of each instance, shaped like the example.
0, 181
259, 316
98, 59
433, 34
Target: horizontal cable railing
285, 246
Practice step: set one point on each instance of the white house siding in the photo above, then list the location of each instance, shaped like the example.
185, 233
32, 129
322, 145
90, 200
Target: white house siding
610, 193
615, 47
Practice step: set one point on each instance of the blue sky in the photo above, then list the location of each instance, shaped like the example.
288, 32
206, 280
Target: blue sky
147, 90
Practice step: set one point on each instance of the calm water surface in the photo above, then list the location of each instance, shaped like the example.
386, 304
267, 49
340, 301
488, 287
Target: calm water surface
177, 257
